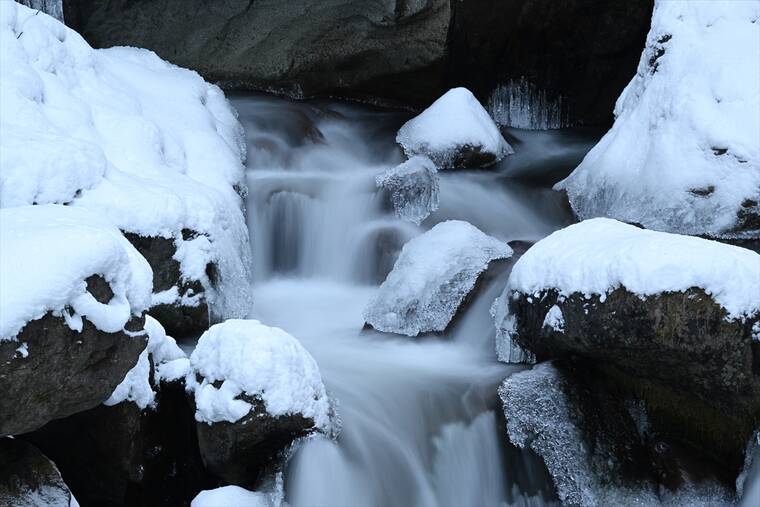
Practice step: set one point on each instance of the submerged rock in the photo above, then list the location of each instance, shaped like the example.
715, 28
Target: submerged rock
693, 168
431, 279
413, 188
29, 479
255, 390
667, 318
454, 132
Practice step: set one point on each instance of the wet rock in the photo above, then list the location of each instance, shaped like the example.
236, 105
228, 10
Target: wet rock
29, 479
122, 455
183, 307
53, 371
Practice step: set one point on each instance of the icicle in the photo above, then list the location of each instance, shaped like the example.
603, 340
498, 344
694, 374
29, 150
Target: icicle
520, 104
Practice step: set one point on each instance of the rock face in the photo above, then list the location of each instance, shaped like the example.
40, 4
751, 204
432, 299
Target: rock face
121, 455
29, 479
185, 312
62, 371
408, 51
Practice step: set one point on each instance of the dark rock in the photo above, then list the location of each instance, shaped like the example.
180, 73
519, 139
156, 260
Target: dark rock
121, 455
242, 452
676, 350
62, 371
28, 478
178, 319
405, 52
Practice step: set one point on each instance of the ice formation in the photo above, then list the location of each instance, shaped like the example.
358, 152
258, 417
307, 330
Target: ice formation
413, 186
431, 278
169, 363
454, 123
149, 146
53, 8
47, 252
246, 358
519, 104
684, 152
599, 255
507, 349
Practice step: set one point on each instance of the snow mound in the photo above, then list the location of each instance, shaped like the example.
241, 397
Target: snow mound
684, 152
47, 252
246, 358
229, 496
432, 276
413, 186
149, 146
453, 129
169, 363
599, 255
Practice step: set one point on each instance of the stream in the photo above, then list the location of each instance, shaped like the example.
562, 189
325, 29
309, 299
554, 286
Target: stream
421, 422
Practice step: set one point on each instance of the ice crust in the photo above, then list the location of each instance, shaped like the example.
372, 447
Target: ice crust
684, 152
146, 145
413, 186
258, 361
599, 255
453, 121
47, 252
432, 276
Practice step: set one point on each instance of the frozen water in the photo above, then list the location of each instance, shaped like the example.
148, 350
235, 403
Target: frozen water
53, 8
413, 186
519, 104
432, 276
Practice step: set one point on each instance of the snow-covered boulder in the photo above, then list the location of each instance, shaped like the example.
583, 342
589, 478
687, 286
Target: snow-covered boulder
684, 152
413, 188
255, 390
148, 146
454, 132
233, 495
72, 293
29, 479
671, 315
432, 276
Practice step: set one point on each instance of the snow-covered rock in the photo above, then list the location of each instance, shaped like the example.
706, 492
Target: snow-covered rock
413, 188
30, 479
454, 132
255, 390
232, 496
432, 277
149, 147
671, 316
168, 361
52, 7
684, 152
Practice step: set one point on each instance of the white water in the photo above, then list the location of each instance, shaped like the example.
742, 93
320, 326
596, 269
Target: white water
420, 425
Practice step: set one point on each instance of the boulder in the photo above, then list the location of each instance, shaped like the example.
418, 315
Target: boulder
73, 292
29, 479
454, 132
255, 390
669, 318
432, 278
693, 168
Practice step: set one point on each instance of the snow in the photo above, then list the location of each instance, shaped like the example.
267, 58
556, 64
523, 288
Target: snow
683, 154
432, 276
148, 146
47, 252
229, 496
554, 319
169, 361
52, 7
259, 361
454, 121
597, 256
413, 186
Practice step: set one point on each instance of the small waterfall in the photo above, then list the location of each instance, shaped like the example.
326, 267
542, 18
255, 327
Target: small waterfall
520, 104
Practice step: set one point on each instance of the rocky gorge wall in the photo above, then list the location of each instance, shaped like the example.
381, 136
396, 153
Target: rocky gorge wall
578, 53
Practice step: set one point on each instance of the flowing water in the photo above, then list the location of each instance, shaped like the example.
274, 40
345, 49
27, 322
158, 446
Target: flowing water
421, 423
